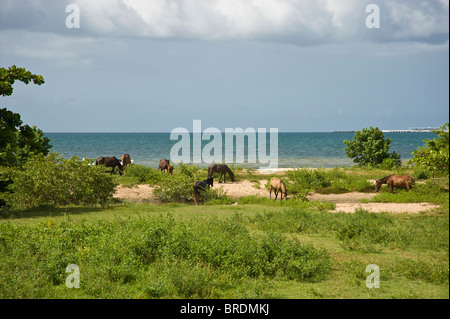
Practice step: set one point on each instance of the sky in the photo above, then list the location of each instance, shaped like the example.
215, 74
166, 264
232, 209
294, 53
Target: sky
294, 65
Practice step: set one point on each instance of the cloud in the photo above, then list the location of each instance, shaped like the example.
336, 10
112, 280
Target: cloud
300, 22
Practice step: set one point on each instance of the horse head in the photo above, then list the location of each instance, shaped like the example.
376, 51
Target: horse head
378, 184
210, 181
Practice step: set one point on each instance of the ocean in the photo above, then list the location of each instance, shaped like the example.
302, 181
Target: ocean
295, 150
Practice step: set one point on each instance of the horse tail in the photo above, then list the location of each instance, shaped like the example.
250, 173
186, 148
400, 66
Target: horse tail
283, 190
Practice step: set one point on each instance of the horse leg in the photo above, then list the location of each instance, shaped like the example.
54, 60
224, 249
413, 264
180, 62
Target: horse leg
195, 197
276, 193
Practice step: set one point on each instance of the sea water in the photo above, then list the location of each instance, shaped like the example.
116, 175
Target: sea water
323, 149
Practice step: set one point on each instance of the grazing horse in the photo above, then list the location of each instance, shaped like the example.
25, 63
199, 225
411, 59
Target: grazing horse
170, 170
126, 160
163, 165
109, 162
277, 185
201, 186
400, 181
222, 169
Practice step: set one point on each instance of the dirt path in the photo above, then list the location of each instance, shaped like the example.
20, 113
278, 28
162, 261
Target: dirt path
347, 202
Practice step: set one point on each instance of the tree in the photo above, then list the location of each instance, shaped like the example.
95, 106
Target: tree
369, 148
434, 156
18, 142
9, 76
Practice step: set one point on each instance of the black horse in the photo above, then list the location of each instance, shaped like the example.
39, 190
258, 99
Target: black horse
201, 186
222, 169
109, 162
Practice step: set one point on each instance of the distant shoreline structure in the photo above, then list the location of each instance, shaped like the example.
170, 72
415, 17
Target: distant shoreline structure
410, 130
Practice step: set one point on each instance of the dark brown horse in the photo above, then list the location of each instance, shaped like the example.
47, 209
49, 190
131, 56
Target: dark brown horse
222, 169
109, 162
163, 165
126, 160
201, 186
400, 181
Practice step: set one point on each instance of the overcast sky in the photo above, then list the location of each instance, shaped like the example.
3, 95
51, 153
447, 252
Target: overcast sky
295, 65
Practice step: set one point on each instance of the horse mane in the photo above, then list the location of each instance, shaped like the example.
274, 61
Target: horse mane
384, 179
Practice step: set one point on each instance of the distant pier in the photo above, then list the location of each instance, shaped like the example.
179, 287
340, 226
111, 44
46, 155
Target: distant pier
410, 130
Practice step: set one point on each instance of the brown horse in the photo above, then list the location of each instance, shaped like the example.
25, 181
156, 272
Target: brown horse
222, 169
201, 186
400, 181
163, 165
170, 170
109, 162
126, 160
277, 185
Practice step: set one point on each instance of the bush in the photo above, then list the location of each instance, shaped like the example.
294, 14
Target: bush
304, 180
326, 182
53, 181
179, 188
144, 174
434, 157
369, 148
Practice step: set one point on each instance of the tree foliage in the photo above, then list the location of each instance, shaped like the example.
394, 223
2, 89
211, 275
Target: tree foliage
369, 148
17, 141
12, 74
434, 156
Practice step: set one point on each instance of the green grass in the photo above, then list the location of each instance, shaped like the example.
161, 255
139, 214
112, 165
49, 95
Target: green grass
250, 250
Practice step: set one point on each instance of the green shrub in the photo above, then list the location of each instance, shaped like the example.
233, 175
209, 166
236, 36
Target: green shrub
304, 180
363, 230
144, 174
53, 181
420, 173
179, 187
326, 181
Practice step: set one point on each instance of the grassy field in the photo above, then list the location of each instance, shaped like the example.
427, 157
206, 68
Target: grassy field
256, 249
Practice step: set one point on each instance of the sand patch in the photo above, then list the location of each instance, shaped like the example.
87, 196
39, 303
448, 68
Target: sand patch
347, 202
135, 193
352, 197
244, 188
396, 208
